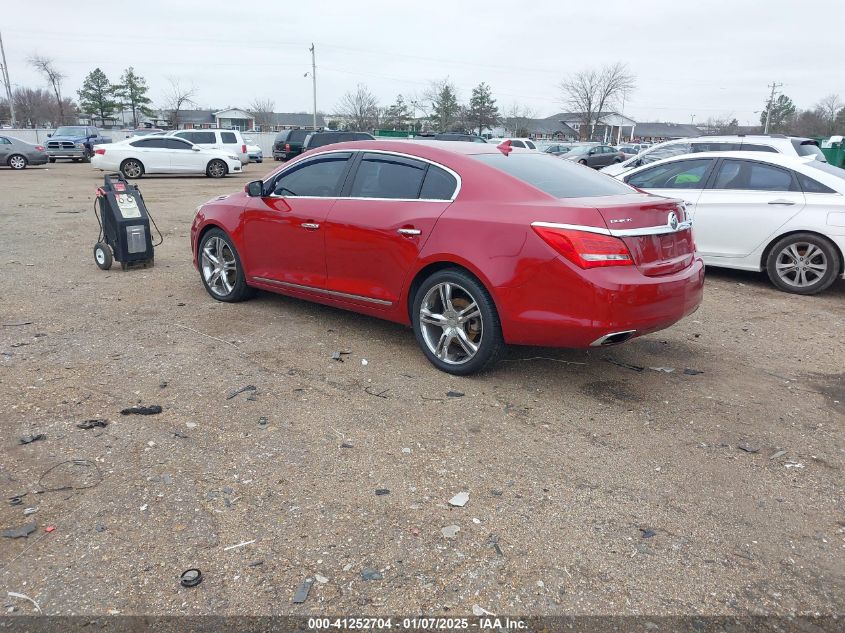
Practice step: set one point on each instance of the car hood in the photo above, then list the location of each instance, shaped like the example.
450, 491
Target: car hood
67, 138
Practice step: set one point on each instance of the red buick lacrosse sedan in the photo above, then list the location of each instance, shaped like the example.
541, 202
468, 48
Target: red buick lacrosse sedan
474, 246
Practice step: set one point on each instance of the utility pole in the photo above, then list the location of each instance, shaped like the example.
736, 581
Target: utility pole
314, 82
692, 119
774, 87
6, 81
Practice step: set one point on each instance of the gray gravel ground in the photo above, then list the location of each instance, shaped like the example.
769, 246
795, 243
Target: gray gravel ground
593, 488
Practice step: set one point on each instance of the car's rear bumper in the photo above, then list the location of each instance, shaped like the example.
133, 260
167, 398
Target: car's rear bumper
562, 307
37, 159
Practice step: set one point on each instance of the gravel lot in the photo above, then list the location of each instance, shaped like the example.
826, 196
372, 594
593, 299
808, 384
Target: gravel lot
593, 488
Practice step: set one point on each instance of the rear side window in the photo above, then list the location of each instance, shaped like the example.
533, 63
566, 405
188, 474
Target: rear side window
385, 176
809, 185
750, 176
808, 147
751, 147
176, 143
158, 143
204, 137
297, 136
317, 177
439, 184
530, 145
716, 147
684, 174
228, 137
556, 177
668, 151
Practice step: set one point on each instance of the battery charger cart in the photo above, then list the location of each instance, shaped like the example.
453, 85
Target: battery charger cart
124, 225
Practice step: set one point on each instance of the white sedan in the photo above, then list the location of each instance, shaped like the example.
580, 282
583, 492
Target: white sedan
137, 156
759, 211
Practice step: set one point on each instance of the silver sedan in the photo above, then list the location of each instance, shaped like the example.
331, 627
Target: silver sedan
17, 154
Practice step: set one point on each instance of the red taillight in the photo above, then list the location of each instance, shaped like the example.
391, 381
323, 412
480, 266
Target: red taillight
584, 248
100, 151
287, 147
243, 149
40, 148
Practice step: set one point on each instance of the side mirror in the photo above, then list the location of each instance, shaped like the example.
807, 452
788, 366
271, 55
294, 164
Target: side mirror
592, 151
49, 135
254, 189
196, 149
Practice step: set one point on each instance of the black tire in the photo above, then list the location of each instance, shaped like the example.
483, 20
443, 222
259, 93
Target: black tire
216, 169
51, 160
807, 278
102, 255
617, 160
17, 161
582, 162
130, 164
490, 345
86, 157
240, 291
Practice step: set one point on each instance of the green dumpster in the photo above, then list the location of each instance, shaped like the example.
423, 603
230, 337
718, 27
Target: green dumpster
834, 150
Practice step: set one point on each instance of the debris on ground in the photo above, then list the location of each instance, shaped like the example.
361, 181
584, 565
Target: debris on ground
191, 577
648, 532
692, 372
50, 528
29, 439
178, 433
380, 492
153, 409
620, 363
377, 394
237, 545
162, 384
665, 370
368, 573
450, 531
93, 424
455, 394
459, 500
99, 527
478, 611
71, 474
338, 355
21, 532
237, 392
777, 454
346, 445
794, 465
262, 421
255, 563
16, 500
321, 579
406, 451
748, 448
301, 594
17, 323
364, 361
494, 541
15, 594
28, 511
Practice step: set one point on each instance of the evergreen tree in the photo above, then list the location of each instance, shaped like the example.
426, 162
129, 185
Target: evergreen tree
132, 92
782, 112
96, 97
483, 111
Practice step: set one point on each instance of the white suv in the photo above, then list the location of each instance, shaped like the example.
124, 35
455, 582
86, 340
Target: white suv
777, 143
230, 140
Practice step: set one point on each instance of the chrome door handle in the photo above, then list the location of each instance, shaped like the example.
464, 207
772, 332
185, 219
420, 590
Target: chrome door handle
311, 226
408, 231
786, 203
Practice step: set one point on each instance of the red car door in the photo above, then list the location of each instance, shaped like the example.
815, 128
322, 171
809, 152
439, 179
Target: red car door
284, 229
376, 230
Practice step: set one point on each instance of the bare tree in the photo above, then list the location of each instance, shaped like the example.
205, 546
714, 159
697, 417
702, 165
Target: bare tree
262, 110
517, 118
47, 68
177, 97
360, 108
588, 92
827, 109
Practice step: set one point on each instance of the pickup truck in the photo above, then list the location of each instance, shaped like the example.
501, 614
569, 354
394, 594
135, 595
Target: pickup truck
75, 142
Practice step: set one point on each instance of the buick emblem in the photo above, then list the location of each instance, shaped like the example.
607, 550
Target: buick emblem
673, 221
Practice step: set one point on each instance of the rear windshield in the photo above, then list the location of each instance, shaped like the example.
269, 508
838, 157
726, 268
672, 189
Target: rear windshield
298, 135
808, 147
556, 177
829, 169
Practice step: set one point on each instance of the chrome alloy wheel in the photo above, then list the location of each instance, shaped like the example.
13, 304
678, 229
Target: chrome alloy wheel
801, 264
17, 162
451, 323
217, 169
219, 266
132, 169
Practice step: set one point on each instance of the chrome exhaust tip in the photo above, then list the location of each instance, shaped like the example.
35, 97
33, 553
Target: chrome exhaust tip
613, 338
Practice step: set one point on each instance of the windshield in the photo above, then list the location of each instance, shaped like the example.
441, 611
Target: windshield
558, 178
70, 131
828, 168
808, 147
580, 149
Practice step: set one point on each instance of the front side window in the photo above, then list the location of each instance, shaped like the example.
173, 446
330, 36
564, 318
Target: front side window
751, 176
668, 151
685, 174
228, 137
319, 177
5, 141
517, 143
150, 143
530, 145
386, 176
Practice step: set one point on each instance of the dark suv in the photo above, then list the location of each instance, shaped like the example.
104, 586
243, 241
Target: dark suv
288, 144
318, 139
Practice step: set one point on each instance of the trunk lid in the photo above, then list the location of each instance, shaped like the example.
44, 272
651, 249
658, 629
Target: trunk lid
653, 228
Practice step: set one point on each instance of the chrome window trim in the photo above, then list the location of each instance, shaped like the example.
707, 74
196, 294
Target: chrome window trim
646, 230
455, 174
323, 291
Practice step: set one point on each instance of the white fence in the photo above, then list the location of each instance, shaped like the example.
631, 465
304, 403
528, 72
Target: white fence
263, 139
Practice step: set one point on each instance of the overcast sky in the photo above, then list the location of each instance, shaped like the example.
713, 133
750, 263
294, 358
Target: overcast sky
704, 59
